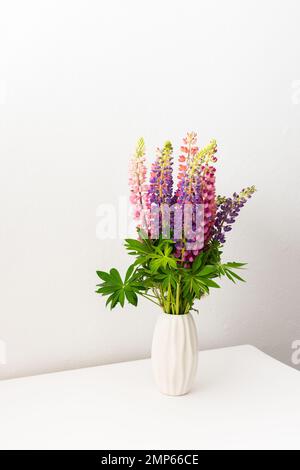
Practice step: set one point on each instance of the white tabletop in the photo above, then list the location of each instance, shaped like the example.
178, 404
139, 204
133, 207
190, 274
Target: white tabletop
242, 398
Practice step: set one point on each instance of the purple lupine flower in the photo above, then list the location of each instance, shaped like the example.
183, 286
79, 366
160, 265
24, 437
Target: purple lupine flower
161, 186
161, 179
228, 210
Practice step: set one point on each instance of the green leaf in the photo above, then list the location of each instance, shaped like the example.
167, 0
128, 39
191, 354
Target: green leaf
235, 275
104, 276
221, 270
209, 282
105, 290
114, 273
137, 246
122, 297
229, 276
197, 262
208, 269
235, 265
155, 264
115, 300
195, 287
168, 250
160, 259
109, 300
131, 297
129, 272
165, 279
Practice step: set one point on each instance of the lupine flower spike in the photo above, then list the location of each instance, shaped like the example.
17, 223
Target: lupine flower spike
138, 186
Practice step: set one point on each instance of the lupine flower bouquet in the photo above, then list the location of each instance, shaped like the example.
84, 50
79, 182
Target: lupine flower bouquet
177, 253
180, 231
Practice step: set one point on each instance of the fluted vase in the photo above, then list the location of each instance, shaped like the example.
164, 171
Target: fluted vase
175, 353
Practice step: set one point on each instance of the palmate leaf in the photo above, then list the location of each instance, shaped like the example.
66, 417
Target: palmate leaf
209, 282
166, 278
232, 275
197, 281
137, 247
208, 270
228, 270
117, 290
162, 262
155, 268
162, 258
194, 288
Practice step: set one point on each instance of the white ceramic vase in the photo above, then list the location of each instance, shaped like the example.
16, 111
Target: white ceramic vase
175, 353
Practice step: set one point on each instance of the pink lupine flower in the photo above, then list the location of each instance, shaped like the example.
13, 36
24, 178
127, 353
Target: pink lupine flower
138, 187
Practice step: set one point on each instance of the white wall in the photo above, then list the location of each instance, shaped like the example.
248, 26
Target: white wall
79, 82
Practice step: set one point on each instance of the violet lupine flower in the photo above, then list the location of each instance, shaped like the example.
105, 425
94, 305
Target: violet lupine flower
138, 186
160, 191
228, 210
161, 178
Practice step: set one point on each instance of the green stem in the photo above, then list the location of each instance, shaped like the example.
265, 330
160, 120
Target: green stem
169, 298
153, 296
158, 296
187, 308
178, 296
